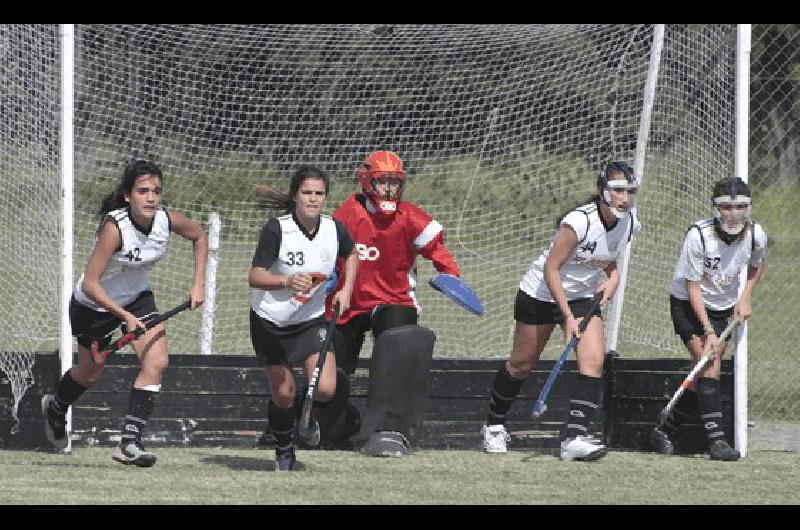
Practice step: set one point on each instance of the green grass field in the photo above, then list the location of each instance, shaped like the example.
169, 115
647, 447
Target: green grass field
245, 476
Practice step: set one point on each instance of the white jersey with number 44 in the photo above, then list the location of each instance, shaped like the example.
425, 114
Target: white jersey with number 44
598, 246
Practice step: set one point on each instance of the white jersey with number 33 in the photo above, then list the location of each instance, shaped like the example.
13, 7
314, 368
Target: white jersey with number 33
297, 254
598, 246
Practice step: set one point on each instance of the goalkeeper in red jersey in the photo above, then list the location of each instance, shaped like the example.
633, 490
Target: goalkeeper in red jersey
389, 233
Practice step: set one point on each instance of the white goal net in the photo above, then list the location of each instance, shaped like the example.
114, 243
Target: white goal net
29, 205
501, 127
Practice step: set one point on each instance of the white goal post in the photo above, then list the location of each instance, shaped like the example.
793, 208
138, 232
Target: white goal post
502, 128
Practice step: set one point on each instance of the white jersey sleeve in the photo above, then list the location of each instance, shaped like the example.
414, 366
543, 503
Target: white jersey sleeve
690, 263
578, 220
760, 247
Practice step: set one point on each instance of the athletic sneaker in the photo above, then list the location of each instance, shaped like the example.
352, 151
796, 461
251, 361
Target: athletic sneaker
285, 460
55, 425
720, 450
661, 442
133, 452
387, 443
584, 448
494, 438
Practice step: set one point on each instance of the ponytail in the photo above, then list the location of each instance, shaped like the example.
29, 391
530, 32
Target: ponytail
276, 200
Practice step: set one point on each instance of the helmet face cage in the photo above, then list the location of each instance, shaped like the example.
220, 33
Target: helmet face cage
733, 206
378, 166
605, 182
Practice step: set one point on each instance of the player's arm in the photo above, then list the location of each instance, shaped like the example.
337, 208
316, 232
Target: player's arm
347, 252
429, 243
609, 287
194, 232
259, 277
565, 242
755, 269
699, 308
108, 242
691, 264
344, 294
744, 307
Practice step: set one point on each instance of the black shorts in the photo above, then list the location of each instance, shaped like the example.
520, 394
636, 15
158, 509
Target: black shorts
89, 325
529, 310
287, 345
686, 323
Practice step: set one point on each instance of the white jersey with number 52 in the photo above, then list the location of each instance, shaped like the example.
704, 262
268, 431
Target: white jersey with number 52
705, 258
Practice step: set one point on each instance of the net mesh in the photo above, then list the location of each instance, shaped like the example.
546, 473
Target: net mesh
29, 203
501, 127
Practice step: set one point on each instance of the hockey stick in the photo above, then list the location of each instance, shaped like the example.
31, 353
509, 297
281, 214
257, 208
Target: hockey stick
305, 417
539, 408
707, 356
100, 356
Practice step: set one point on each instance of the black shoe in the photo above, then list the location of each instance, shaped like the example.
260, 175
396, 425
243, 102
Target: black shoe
55, 425
285, 460
387, 443
720, 450
661, 442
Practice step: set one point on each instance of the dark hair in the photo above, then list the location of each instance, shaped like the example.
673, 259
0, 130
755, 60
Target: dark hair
592, 198
276, 200
731, 186
134, 170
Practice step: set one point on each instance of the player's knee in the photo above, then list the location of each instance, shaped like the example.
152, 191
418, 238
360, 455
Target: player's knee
519, 368
283, 399
325, 393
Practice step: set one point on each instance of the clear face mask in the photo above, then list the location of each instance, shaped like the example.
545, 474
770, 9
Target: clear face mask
631, 187
732, 214
387, 191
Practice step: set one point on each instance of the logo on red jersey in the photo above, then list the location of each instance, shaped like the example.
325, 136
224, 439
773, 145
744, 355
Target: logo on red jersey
367, 253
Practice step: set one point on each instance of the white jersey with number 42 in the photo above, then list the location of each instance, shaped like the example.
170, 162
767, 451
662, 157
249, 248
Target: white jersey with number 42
705, 258
597, 248
127, 273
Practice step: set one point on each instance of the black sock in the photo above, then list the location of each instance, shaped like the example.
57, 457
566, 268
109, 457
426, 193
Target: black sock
504, 390
582, 406
67, 392
281, 421
709, 404
683, 409
140, 407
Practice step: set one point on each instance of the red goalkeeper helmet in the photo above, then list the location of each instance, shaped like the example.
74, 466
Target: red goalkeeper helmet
377, 166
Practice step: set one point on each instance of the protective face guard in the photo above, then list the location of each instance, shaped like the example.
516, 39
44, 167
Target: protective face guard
632, 188
736, 217
386, 202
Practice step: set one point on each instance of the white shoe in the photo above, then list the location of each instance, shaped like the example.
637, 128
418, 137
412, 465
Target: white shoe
584, 448
494, 438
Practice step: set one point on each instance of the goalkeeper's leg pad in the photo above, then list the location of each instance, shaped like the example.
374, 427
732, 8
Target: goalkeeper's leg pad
398, 381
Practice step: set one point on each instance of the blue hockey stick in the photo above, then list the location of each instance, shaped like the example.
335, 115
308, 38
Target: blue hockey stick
539, 408
458, 291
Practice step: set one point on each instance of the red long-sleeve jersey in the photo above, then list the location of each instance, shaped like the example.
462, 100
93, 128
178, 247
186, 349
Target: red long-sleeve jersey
387, 248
